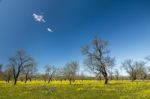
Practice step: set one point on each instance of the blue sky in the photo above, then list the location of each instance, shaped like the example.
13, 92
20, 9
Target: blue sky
73, 23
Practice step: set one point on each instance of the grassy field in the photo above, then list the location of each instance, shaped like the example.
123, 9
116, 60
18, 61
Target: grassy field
78, 90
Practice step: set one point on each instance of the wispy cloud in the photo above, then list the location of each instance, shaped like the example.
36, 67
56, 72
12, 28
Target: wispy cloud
39, 18
49, 30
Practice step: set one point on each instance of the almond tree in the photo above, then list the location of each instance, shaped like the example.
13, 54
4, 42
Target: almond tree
1, 72
134, 69
18, 62
70, 70
29, 70
98, 59
50, 72
8, 74
116, 74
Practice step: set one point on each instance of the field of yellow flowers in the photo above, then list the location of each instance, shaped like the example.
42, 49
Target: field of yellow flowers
88, 89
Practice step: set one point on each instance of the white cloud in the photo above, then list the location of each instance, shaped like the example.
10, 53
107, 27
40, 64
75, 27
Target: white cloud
49, 30
39, 18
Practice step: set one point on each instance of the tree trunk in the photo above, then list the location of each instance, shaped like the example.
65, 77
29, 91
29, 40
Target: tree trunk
117, 77
16, 75
100, 78
70, 81
8, 78
50, 78
15, 82
16, 78
105, 76
106, 80
133, 78
73, 80
30, 79
26, 79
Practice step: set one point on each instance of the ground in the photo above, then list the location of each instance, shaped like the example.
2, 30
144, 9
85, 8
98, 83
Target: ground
88, 89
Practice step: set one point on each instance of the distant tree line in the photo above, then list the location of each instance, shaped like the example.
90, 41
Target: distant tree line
23, 67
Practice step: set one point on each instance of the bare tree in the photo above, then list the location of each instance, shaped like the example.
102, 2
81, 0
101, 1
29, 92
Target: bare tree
8, 74
70, 70
98, 59
143, 73
44, 77
1, 72
116, 74
147, 69
133, 68
60, 74
1, 65
82, 76
50, 72
99, 76
110, 73
29, 69
18, 62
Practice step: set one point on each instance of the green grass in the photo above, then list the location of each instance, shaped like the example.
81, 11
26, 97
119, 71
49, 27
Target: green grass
79, 90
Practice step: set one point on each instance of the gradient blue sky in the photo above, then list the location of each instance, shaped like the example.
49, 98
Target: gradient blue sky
124, 23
